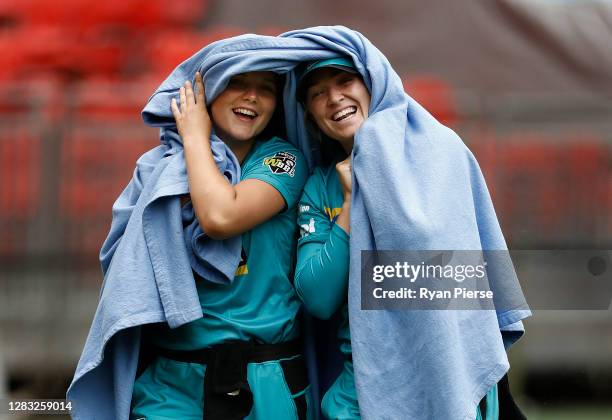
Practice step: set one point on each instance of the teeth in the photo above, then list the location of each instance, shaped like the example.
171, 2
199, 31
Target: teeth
338, 115
245, 111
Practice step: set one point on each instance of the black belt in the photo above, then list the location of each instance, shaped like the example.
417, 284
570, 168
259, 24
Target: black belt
227, 394
253, 352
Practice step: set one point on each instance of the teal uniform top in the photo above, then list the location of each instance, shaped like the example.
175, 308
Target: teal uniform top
321, 277
261, 303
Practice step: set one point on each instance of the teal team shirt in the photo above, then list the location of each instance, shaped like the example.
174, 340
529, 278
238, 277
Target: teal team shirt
261, 303
323, 251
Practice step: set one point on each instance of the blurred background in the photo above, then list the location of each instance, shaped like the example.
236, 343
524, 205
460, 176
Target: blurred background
527, 84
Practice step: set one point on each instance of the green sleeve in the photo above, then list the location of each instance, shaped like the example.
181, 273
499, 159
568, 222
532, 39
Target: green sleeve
281, 165
321, 276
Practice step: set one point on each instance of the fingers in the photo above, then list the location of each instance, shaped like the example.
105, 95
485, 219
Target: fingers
187, 96
189, 93
345, 163
183, 98
175, 110
200, 89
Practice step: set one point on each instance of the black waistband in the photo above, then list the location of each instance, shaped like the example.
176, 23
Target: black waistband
227, 394
252, 352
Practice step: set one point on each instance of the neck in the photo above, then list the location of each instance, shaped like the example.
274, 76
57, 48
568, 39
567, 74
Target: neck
347, 145
240, 148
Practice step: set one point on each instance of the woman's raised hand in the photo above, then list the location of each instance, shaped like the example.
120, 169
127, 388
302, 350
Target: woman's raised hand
346, 178
192, 119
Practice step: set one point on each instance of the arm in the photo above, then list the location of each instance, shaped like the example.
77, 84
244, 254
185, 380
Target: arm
321, 276
223, 210
345, 177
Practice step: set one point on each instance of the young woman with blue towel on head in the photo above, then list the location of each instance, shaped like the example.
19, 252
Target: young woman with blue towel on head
242, 359
336, 102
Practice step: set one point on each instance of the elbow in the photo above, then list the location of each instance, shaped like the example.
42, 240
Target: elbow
316, 307
215, 225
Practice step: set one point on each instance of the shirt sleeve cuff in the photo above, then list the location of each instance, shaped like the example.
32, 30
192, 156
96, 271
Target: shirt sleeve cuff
339, 233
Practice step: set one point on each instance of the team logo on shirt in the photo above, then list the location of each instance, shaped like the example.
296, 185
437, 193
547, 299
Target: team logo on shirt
307, 229
281, 163
332, 213
242, 265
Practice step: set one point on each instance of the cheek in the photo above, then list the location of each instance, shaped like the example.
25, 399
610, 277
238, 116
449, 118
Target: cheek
269, 106
364, 104
319, 120
366, 108
216, 109
316, 115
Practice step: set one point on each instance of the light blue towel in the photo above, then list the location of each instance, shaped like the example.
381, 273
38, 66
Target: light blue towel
416, 187
147, 260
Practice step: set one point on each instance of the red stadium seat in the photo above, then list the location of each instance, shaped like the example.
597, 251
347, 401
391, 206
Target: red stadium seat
168, 49
20, 172
435, 95
97, 163
68, 52
588, 160
107, 100
486, 148
535, 185
82, 14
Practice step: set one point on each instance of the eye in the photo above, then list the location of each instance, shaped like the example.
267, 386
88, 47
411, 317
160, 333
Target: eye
269, 88
347, 79
314, 93
235, 82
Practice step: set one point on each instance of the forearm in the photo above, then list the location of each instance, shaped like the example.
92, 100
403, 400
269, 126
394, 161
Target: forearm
212, 195
344, 218
321, 277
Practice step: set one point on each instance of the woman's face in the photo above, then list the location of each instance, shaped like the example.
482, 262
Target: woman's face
246, 105
338, 102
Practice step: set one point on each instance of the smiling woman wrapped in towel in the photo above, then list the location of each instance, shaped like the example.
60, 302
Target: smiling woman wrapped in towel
337, 103
156, 245
242, 359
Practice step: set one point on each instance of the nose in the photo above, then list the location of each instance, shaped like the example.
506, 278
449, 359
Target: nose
335, 95
250, 94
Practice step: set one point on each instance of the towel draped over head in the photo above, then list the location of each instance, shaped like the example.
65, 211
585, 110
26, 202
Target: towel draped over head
416, 187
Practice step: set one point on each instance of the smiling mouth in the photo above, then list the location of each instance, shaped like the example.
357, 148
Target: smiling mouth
344, 113
245, 113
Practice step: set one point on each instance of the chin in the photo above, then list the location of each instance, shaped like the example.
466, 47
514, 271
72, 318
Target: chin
243, 136
344, 136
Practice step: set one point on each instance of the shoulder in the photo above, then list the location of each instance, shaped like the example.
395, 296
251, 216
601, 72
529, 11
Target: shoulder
281, 157
276, 144
318, 181
322, 176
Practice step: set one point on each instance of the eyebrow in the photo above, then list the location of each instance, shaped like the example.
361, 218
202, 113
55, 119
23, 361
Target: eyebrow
313, 86
270, 79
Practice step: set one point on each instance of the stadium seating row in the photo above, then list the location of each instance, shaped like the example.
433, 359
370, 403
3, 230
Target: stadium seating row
74, 54
544, 188
133, 13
